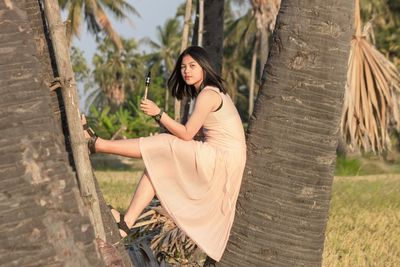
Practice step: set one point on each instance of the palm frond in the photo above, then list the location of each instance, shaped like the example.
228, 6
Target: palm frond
371, 101
265, 12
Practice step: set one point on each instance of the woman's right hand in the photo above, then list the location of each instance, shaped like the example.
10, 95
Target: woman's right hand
149, 107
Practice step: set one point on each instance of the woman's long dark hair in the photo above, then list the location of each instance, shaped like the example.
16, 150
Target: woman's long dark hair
176, 82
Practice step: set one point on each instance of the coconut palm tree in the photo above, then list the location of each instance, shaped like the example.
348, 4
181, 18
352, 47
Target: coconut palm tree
241, 43
253, 29
167, 49
115, 75
282, 209
94, 14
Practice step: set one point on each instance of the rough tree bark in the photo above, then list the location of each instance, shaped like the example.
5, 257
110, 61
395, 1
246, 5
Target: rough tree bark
283, 205
213, 35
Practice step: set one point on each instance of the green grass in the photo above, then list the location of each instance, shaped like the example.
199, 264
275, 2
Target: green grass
364, 221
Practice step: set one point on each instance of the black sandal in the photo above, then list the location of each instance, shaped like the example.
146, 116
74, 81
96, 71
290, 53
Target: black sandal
122, 224
92, 140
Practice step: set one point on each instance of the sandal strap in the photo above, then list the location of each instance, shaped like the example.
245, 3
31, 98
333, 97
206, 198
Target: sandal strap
92, 144
93, 138
89, 130
122, 224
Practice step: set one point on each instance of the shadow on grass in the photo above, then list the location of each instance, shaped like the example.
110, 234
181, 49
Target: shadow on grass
365, 165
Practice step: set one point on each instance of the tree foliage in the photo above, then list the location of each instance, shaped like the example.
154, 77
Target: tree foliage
94, 14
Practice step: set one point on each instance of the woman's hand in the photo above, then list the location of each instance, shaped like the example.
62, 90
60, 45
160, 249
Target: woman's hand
149, 107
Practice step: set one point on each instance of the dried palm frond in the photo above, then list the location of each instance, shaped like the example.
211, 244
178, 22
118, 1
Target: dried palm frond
371, 102
265, 12
169, 242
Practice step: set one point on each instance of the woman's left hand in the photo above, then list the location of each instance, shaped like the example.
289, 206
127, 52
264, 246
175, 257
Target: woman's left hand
149, 107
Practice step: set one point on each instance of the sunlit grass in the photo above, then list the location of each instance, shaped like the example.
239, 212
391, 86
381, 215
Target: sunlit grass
118, 186
364, 227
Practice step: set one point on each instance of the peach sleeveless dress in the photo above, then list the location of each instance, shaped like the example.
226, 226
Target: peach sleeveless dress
198, 182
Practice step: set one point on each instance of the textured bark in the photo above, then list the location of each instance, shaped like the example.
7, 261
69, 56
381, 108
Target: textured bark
43, 220
284, 200
213, 35
264, 48
253, 76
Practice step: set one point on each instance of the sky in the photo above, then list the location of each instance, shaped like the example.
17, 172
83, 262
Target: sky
152, 13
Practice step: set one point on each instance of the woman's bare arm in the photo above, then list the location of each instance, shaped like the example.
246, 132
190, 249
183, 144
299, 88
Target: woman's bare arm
206, 102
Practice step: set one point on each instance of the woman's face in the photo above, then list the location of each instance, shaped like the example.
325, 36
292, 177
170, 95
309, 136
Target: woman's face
191, 71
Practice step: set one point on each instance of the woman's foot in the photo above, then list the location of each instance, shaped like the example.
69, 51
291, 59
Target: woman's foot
123, 228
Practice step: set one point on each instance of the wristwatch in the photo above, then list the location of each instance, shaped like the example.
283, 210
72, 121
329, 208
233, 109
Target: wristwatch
158, 116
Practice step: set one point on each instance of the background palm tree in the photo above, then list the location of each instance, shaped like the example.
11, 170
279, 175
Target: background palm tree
240, 44
251, 32
93, 12
167, 47
114, 75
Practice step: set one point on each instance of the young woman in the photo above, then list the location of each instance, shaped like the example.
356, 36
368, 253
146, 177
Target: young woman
197, 182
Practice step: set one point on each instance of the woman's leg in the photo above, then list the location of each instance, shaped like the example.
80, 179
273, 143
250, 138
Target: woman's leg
128, 148
142, 197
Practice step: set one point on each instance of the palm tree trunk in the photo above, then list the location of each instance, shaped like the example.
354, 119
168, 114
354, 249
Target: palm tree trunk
70, 96
264, 48
213, 36
201, 23
283, 204
253, 76
184, 44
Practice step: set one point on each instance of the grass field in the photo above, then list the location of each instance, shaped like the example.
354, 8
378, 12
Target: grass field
364, 221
